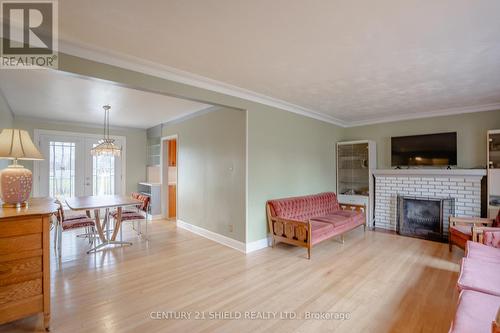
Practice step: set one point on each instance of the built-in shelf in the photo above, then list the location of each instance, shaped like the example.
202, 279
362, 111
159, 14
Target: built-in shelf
153, 190
493, 158
149, 184
355, 161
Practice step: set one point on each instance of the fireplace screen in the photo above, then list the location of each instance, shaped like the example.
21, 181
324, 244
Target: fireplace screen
425, 218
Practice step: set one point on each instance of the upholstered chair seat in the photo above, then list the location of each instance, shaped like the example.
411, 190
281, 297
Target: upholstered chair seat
129, 215
77, 221
140, 213
72, 220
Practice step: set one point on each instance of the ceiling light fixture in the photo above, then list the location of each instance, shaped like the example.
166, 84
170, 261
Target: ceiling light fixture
106, 145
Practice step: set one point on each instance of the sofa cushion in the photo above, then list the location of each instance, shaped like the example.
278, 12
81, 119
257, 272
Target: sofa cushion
478, 251
480, 276
342, 217
75, 223
305, 207
491, 237
320, 231
475, 312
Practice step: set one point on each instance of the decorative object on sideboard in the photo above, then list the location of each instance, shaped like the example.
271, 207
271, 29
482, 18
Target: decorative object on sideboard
106, 145
16, 180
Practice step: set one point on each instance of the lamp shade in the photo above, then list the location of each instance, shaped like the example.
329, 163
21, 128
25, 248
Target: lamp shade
17, 144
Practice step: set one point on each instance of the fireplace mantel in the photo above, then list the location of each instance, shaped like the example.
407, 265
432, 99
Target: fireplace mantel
430, 172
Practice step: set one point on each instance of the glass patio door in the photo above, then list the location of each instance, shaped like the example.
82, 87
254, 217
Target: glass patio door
104, 176
70, 170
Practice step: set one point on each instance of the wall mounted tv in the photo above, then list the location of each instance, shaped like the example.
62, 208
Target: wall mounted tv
424, 150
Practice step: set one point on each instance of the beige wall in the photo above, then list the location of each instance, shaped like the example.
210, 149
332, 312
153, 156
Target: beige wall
288, 155
470, 127
6, 121
136, 144
211, 171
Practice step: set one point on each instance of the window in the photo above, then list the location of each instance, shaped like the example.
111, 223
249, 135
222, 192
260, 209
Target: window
103, 175
61, 169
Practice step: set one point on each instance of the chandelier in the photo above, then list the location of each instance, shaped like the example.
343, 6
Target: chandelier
106, 146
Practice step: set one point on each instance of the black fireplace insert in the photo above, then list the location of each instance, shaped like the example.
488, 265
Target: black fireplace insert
425, 218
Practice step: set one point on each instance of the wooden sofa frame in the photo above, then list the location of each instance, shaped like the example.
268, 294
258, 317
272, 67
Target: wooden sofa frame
298, 233
475, 223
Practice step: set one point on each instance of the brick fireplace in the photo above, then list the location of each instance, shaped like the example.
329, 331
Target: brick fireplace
461, 186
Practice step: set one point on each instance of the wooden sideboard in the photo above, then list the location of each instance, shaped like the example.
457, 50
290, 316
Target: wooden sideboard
25, 260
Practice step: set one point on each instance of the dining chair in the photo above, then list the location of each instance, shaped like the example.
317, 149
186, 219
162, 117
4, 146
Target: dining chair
70, 222
138, 214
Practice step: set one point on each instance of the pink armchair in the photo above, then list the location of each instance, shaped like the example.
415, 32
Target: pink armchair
464, 229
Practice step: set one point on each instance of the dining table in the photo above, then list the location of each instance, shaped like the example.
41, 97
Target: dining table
106, 202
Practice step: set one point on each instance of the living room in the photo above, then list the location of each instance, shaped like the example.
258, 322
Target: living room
327, 176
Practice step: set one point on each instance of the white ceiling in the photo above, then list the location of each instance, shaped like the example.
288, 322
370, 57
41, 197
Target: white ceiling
355, 61
49, 94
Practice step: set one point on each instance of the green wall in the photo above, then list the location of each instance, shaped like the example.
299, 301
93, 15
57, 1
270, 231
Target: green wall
211, 171
288, 155
6, 121
299, 150
470, 127
136, 144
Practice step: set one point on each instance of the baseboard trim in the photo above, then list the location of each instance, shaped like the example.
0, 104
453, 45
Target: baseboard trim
258, 245
218, 238
224, 240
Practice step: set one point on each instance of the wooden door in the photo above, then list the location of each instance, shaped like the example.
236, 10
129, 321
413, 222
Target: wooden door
172, 153
172, 185
171, 201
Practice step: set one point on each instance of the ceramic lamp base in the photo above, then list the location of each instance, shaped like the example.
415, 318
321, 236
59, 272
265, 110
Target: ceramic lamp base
15, 185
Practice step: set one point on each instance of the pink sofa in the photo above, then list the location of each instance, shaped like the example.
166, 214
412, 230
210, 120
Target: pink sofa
308, 220
479, 285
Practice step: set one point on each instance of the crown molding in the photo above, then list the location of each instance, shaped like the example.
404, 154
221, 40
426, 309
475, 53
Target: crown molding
431, 114
173, 74
180, 76
73, 123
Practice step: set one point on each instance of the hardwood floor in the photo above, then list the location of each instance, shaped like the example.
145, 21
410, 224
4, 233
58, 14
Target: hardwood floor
384, 282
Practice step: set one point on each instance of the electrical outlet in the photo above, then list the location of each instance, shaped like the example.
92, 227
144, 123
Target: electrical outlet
231, 227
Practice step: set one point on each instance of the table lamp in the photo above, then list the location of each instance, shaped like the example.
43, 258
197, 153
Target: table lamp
16, 180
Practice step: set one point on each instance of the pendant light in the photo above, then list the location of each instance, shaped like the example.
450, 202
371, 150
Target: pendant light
106, 145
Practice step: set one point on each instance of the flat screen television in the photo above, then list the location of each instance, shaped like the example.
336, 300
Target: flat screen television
424, 150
